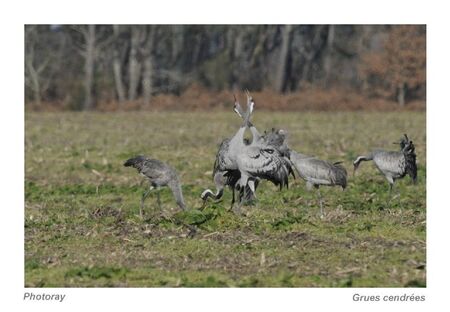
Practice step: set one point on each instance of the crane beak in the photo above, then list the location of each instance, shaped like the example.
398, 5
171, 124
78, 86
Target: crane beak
237, 111
355, 166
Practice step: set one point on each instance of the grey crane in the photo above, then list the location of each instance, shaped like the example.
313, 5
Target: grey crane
314, 171
393, 164
258, 160
225, 170
222, 176
317, 172
159, 174
265, 145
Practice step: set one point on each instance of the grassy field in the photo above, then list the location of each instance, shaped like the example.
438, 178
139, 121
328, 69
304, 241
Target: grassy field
81, 205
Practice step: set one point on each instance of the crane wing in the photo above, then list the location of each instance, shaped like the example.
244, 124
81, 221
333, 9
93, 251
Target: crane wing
220, 163
391, 163
319, 172
154, 169
264, 164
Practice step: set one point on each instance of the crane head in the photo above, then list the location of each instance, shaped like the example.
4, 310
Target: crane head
406, 145
356, 164
404, 140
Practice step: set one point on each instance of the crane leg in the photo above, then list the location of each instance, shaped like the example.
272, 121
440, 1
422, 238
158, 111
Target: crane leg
252, 195
391, 196
251, 184
144, 196
232, 198
158, 198
241, 200
238, 207
391, 186
319, 196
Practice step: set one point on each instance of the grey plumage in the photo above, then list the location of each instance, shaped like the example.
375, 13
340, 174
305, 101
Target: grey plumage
222, 174
318, 172
259, 160
272, 142
277, 139
393, 164
263, 162
274, 139
159, 174
409, 150
242, 164
314, 171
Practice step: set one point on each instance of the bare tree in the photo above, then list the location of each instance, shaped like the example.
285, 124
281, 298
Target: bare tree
177, 35
362, 47
94, 42
134, 67
280, 75
148, 65
310, 50
386, 61
87, 50
33, 69
236, 41
89, 64
117, 65
328, 55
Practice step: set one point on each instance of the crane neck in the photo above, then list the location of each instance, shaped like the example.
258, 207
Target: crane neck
178, 194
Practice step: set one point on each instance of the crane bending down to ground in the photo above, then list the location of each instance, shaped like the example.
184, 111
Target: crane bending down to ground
222, 176
159, 174
393, 164
318, 172
269, 143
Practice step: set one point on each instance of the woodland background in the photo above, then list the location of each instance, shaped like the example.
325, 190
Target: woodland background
186, 67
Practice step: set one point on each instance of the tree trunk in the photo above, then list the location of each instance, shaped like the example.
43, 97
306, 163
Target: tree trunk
31, 74
148, 67
365, 30
36, 91
134, 66
236, 55
117, 67
177, 44
33, 78
280, 76
147, 80
89, 67
328, 55
401, 94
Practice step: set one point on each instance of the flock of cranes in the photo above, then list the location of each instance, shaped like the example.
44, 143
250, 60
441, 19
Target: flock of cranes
242, 163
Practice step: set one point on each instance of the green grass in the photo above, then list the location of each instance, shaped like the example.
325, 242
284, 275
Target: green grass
81, 206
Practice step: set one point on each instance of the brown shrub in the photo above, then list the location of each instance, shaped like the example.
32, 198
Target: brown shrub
197, 97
